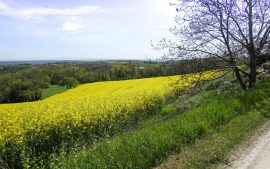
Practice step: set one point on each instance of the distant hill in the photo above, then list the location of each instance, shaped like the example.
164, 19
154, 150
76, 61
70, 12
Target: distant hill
42, 62
35, 62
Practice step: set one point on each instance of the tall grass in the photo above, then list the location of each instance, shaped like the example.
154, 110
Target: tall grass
152, 144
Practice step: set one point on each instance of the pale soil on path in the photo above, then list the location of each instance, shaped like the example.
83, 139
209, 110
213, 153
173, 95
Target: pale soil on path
255, 154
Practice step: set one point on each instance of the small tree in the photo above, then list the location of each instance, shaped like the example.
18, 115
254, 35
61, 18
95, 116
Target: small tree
235, 32
70, 82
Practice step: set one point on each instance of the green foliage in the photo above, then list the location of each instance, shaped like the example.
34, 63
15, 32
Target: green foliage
123, 72
13, 88
151, 145
69, 82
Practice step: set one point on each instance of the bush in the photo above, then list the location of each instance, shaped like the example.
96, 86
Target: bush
70, 82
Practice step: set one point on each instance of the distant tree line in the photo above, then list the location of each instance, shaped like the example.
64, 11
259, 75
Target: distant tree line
22, 83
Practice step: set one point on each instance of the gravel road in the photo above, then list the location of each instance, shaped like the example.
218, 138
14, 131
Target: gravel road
255, 156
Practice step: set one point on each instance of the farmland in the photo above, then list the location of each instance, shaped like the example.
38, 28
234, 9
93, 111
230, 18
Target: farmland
83, 114
134, 84
91, 124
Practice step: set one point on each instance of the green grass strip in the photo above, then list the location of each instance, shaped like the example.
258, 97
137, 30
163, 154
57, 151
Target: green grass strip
52, 90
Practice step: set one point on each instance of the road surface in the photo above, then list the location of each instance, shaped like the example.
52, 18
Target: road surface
256, 156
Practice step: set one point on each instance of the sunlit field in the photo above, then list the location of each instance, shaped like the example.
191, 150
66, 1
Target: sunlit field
117, 87
87, 112
83, 114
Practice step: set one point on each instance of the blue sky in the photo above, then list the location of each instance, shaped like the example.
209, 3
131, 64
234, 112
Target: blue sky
82, 29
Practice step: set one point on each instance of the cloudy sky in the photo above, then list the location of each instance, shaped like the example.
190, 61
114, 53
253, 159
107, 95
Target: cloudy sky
82, 29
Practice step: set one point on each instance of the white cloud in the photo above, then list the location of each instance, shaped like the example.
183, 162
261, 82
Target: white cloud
72, 23
3, 6
72, 26
83, 10
29, 12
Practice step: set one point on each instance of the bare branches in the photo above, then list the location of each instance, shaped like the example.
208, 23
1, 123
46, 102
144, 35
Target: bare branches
236, 32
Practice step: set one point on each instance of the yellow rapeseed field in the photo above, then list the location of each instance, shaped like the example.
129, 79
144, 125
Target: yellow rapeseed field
90, 107
87, 112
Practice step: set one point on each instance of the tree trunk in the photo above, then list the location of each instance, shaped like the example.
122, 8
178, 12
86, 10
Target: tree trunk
253, 69
239, 79
251, 48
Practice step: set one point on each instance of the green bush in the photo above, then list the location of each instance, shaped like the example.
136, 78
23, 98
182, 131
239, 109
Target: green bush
70, 82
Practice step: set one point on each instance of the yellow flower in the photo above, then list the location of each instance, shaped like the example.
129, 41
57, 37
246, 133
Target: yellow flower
90, 106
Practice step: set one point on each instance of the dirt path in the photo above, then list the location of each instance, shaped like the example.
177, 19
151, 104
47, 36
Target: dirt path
255, 156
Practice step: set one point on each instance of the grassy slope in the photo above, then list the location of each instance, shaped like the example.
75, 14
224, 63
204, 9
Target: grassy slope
153, 143
214, 149
52, 90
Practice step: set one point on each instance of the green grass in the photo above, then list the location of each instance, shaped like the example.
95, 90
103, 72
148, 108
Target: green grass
52, 90
152, 144
215, 148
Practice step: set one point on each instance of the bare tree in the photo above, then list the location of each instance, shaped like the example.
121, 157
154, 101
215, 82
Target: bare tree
235, 32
